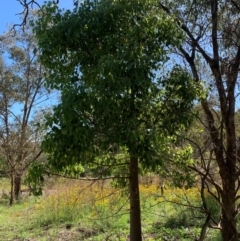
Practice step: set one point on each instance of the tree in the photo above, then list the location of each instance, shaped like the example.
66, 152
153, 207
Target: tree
212, 53
21, 91
103, 57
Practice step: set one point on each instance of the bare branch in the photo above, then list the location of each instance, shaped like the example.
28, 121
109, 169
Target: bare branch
26, 9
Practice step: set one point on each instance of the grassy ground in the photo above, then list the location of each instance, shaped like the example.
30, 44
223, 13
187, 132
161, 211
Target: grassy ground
95, 211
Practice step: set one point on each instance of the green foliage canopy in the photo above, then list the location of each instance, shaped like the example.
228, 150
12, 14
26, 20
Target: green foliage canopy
104, 57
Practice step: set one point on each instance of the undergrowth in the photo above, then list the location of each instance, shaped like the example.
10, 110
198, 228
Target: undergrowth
93, 211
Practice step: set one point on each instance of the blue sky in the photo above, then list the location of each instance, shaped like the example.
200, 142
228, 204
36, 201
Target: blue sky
10, 8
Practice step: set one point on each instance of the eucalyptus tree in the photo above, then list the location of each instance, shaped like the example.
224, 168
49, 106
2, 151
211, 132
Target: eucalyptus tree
212, 31
103, 57
21, 92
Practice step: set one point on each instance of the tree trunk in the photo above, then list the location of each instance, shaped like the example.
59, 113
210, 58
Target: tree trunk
11, 199
135, 212
17, 185
228, 219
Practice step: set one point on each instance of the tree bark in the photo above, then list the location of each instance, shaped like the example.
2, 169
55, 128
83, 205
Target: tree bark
135, 212
17, 185
11, 199
228, 211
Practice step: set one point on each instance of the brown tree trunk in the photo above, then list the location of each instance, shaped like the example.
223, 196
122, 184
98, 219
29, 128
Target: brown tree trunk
11, 199
228, 219
17, 185
135, 212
